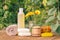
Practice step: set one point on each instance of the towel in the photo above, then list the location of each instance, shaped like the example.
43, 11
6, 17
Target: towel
24, 32
11, 30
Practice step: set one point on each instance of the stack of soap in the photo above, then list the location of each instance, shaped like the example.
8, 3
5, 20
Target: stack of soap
24, 32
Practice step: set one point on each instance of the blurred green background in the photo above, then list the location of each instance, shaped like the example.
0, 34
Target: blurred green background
9, 10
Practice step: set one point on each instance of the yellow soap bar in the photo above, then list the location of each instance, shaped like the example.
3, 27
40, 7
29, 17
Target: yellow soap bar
47, 34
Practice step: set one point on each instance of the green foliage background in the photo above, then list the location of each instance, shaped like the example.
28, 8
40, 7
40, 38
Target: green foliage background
9, 10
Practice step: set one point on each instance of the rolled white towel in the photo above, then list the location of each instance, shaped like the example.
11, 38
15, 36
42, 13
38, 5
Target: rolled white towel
11, 30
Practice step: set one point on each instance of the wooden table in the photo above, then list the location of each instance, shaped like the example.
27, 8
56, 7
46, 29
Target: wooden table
4, 36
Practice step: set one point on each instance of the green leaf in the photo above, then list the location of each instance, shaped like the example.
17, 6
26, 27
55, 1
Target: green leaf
58, 30
1, 26
58, 16
50, 19
54, 26
52, 11
51, 2
6, 14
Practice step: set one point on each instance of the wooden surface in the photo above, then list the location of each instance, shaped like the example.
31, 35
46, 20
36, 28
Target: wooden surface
4, 36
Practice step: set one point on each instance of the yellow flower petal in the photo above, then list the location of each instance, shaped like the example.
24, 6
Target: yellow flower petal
26, 15
29, 14
37, 12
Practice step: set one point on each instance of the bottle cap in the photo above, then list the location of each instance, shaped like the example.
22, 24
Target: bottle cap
20, 10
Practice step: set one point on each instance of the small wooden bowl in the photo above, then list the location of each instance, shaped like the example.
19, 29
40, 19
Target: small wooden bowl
36, 31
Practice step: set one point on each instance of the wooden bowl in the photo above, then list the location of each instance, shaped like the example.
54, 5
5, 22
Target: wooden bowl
36, 31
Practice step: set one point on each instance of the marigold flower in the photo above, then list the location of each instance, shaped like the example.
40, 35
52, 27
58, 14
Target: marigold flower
37, 12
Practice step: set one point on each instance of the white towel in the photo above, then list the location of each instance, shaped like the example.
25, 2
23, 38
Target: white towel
11, 30
24, 32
